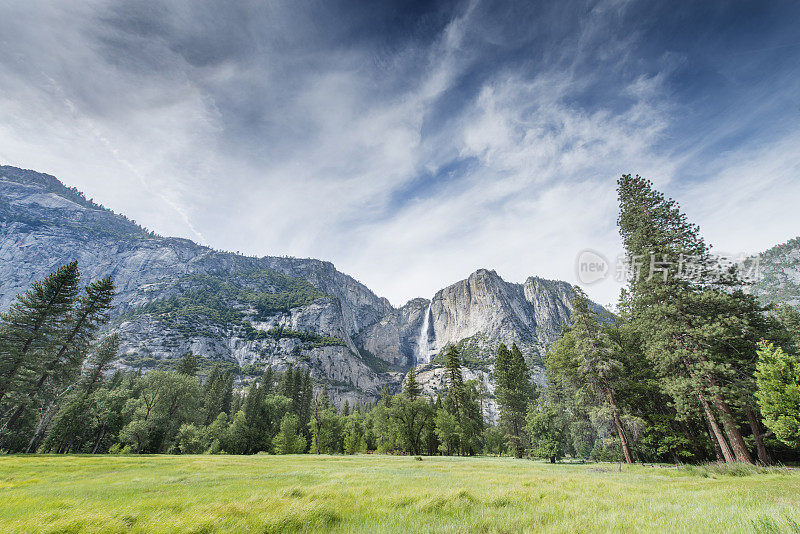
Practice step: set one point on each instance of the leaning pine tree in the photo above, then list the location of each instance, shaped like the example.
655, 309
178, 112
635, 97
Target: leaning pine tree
32, 327
674, 298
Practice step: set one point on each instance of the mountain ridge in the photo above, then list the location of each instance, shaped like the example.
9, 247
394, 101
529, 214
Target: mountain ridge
175, 295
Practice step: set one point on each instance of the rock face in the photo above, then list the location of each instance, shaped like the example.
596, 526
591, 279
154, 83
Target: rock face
530, 314
43, 225
176, 296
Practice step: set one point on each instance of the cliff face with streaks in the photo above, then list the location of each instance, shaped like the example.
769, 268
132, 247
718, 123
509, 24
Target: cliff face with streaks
176, 296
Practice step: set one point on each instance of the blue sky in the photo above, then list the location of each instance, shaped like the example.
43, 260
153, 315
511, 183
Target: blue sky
411, 143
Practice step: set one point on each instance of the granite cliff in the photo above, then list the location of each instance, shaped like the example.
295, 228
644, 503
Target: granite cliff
176, 296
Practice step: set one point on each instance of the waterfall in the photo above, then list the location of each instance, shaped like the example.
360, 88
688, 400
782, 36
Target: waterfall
423, 346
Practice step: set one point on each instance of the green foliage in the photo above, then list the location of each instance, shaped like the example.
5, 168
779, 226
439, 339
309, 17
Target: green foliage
410, 386
288, 440
145, 362
458, 422
188, 365
310, 339
189, 439
789, 319
44, 341
373, 362
495, 440
237, 439
778, 393
597, 363
409, 417
472, 351
215, 434
104, 354
202, 300
514, 392
250, 369
448, 432
355, 441
636, 384
698, 332
547, 430
165, 401
776, 284
326, 429
32, 327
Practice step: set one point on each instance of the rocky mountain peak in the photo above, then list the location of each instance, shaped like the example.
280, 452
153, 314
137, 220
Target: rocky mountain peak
176, 296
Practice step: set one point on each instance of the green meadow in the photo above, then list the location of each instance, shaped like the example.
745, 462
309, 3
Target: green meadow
373, 493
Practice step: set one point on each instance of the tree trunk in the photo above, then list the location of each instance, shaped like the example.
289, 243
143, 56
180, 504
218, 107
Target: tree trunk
99, 439
761, 449
618, 422
721, 442
714, 442
734, 435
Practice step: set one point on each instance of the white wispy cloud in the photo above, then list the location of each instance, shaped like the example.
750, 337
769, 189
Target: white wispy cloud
482, 141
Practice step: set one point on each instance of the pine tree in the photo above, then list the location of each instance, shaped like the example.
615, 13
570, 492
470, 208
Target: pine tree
32, 327
354, 440
596, 360
326, 426
513, 392
297, 390
287, 385
105, 354
677, 311
325, 398
411, 386
62, 364
454, 378
188, 365
305, 407
251, 407
212, 395
92, 312
268, 380
227, 394
462, 407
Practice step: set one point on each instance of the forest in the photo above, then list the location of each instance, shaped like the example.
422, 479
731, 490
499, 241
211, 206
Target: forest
692, 368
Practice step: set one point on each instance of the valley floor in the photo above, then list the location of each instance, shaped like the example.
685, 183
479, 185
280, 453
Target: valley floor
375, 493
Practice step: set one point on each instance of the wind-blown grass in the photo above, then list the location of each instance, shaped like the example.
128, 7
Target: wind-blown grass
381, 494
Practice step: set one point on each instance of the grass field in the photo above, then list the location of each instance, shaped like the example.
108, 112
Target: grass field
381, 494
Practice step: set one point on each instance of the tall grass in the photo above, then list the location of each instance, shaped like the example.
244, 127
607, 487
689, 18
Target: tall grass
736, 469
375, 493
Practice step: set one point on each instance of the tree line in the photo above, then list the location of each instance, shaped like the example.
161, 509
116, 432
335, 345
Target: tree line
691, 369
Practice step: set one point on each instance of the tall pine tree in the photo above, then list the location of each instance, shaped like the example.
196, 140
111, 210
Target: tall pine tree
596, 363
32, 327
514, 392
675, 292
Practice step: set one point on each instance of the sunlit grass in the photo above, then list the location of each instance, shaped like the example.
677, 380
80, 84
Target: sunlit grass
382, 494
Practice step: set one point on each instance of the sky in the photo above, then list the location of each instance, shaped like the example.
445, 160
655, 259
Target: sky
411, 143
